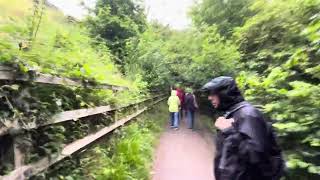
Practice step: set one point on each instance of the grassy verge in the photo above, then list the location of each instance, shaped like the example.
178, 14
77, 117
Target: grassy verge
52, 44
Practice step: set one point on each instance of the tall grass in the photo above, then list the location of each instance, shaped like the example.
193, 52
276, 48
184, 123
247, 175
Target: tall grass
61, 47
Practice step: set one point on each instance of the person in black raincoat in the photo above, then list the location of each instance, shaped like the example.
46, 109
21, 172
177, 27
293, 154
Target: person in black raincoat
246, 147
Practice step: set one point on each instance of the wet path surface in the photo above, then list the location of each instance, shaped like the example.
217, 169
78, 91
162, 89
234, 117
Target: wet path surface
183, 155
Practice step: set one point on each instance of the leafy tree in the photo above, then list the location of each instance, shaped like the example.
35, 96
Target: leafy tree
116, 21
165, 57
226, 14
145, 56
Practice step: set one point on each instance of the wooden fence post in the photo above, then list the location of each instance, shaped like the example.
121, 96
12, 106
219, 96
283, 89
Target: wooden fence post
19, 156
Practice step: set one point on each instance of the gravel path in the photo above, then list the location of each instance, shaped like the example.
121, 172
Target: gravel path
183, 155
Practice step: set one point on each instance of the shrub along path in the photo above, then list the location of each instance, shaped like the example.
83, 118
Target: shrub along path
184, 154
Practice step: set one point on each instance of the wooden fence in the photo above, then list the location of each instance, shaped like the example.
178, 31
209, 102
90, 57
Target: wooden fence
25, 171
72, 115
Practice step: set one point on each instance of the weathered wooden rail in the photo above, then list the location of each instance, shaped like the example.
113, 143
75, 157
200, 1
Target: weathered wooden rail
9, 73
72, 115
27, 171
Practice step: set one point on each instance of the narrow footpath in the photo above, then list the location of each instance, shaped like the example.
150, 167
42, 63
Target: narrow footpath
183, 155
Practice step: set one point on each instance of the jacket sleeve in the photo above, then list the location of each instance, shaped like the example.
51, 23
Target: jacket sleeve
243, 143
195, 102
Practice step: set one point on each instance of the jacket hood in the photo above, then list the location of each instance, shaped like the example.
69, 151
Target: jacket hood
173, 93
227, 91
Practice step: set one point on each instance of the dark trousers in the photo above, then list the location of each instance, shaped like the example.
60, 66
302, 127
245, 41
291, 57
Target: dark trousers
190, 119
181, 113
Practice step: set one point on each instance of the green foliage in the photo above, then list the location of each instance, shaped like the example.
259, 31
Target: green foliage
38, 39
165, 57
55, 46
271, 47
280, 52
132, 152
225, 14
127, 154
115, 21
60, 47
146, 59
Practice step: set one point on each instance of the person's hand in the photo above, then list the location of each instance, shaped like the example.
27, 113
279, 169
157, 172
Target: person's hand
223, 123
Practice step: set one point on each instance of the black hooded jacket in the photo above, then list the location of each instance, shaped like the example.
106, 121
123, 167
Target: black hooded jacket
247, 150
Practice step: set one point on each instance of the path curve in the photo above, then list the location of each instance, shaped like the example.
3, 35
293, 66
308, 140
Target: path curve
183, 154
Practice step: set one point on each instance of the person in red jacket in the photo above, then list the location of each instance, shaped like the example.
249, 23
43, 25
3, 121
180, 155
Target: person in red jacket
181, 95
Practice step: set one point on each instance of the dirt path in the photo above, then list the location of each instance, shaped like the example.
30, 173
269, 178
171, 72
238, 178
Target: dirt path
183, 155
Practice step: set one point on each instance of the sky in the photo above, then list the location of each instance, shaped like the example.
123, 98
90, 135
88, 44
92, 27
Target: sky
167, 12
172, 12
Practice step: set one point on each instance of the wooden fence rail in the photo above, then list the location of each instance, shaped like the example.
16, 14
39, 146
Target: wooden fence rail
76, 114
72, 115
26, 171
8, 73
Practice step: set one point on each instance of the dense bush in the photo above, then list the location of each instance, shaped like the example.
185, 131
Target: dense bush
280, 47
165, 56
